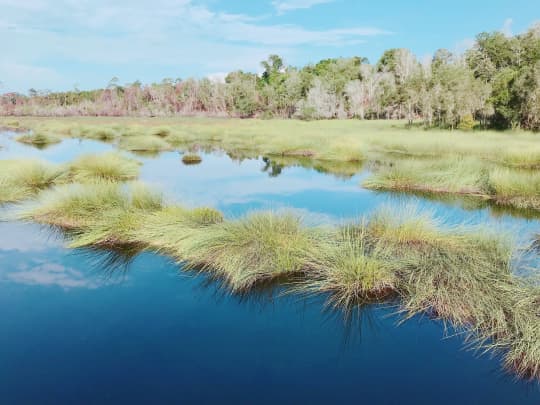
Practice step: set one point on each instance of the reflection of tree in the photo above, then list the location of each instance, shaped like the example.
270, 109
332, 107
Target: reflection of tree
271, 167
340, 169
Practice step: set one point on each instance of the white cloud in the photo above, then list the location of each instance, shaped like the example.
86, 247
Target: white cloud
52, 274
282, 6
51, 44
464, 45
507, 27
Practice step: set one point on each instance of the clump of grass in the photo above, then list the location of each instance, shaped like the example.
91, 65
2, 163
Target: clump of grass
351, 270
143, 143
74, 205
104, 167
21, 179
101, 134
39, 139
258, 248
191, 159
162, 132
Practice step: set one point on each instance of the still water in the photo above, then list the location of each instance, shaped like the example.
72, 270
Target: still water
78, 328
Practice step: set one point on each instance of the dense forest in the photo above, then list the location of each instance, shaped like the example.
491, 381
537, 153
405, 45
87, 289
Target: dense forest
494, 84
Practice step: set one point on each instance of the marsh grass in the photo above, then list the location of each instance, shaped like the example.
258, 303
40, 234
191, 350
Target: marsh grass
518, 188
39, 139
415, 160
110, 166
462, 276
23, 178
254, 249
351, 269
191, 159
143, 143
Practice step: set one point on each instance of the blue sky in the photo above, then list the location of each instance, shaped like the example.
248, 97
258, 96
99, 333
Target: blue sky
59, 44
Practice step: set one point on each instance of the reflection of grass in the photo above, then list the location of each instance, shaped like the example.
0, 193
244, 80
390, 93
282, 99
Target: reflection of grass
191, 159
459, 275
21, 179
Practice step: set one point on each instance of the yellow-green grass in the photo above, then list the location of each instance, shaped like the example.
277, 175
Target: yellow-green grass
39, 139
334, 139
22, 178
255, 249
143, 143
351, 270
110, 166
430, 161
519, 188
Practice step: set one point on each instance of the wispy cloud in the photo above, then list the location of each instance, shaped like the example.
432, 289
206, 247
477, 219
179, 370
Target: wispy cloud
282, 6
62, 42
507, 27
52, 274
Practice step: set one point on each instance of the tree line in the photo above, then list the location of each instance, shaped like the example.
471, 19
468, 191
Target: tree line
494, 84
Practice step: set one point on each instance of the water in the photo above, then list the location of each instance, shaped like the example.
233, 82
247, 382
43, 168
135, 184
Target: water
76, 330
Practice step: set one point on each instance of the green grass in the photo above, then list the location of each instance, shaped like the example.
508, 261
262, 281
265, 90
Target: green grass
519, 188
255, 249
110, 166
351, 270
23, 178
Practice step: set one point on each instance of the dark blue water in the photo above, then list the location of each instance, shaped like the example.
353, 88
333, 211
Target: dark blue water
75, 330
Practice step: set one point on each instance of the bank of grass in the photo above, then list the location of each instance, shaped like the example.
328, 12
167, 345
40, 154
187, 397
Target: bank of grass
461, 275
519, 188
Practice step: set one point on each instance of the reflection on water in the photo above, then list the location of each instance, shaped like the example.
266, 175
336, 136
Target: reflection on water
102, 326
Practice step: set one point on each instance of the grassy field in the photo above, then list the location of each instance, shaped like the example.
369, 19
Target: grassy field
499, 166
